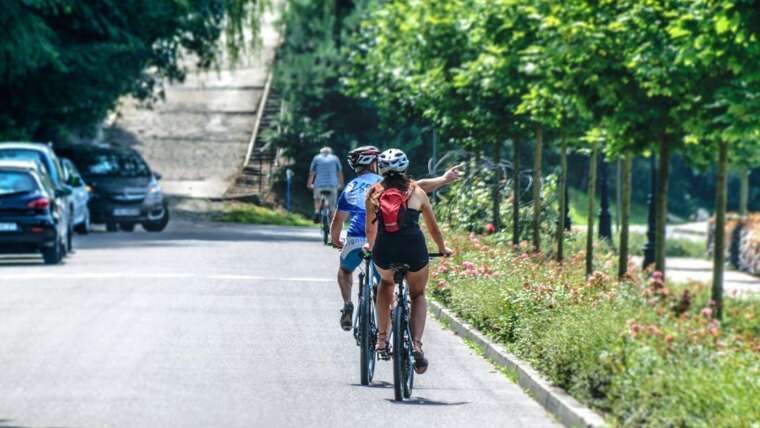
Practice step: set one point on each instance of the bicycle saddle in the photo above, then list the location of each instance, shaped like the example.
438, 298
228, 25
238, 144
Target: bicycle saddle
399, 267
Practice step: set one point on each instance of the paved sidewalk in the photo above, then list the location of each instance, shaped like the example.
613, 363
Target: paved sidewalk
696, 231
684, 269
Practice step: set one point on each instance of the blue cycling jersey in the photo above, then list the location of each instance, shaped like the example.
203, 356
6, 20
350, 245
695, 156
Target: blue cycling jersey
352, 200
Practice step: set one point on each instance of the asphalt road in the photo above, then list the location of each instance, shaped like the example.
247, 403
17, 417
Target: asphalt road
219, 326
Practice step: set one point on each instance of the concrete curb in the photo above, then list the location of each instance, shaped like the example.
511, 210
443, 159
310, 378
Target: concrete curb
555, 400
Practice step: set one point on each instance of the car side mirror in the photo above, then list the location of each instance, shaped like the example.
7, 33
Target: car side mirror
157, 175
75, 181
63, 191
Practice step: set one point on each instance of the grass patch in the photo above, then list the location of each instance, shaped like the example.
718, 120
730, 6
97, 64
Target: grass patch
644, 352
579, 208
674, 247
254, 214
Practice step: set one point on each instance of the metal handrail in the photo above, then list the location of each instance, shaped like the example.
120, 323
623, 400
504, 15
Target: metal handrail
259, 116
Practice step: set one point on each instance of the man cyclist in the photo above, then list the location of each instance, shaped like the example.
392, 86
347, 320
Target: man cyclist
363, 161
325, 175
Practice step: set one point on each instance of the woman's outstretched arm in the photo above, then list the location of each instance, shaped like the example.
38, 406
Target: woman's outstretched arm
432, 224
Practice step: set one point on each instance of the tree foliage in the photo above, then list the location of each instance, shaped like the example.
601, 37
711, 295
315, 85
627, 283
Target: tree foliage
64, 63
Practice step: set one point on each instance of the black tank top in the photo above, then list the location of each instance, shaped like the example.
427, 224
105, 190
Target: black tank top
411, 225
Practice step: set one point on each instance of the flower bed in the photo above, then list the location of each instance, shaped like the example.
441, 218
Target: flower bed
645, 353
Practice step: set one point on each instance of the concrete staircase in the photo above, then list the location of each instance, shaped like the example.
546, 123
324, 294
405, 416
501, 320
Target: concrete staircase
255, 179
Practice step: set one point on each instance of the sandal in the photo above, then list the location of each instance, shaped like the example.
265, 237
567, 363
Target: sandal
420, 362
383, 347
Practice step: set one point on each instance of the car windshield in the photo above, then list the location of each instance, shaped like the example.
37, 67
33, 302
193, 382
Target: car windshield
27, 155
12, 182
111, 164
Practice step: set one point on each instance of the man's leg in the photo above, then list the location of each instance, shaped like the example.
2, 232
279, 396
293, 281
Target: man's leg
345, 282
350, 259
317, 204
332, 200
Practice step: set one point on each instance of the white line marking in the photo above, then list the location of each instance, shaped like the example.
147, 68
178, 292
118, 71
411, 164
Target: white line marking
110, 275
268, 278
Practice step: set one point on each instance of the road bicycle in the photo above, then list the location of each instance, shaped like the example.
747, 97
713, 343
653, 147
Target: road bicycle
365, 324
401, 335
324, 215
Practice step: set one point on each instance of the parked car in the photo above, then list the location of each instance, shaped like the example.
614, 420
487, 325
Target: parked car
33, 214
124, 190
80, 196
44, 155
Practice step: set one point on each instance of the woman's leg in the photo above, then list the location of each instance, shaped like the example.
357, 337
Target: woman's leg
383, 305
417, 282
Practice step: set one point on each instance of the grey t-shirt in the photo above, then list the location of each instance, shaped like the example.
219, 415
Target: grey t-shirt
325, 169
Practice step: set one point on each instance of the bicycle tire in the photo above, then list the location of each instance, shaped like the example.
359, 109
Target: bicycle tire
408, 364
398, 354
367, 353
325, 229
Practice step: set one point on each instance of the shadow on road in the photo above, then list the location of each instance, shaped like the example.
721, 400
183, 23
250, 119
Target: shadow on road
186, 232
381, 384
422, 401
8, 423
20, 260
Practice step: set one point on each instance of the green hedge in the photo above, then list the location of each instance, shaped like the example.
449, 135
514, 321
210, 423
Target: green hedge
645, 353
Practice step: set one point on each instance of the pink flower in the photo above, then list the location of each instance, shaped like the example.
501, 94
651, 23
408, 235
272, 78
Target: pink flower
713, 329
706, 312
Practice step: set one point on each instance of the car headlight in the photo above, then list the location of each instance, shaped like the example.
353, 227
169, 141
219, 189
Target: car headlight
154, 193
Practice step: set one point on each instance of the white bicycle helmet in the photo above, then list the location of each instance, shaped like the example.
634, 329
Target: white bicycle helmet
392, 160
362, 156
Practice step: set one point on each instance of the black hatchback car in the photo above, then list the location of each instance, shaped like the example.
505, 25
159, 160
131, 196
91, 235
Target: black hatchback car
123, 189
33, 215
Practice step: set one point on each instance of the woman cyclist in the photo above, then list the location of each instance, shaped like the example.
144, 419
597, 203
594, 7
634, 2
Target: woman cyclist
403, 243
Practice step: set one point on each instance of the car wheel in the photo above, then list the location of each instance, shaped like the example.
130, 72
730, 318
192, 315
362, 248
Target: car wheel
84, 227
127, 227
112, 227
53, 255
159, 225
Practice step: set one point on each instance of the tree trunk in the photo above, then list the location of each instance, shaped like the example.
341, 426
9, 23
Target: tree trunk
515, 193
495, 191
625, 213
744, 191
618, 193
719, 252
562, 200
662, 207
537, 190
591, 196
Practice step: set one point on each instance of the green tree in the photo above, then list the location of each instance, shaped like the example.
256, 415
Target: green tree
65, 63
717, 44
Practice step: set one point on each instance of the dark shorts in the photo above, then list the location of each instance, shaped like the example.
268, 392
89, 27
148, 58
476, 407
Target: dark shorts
406, 249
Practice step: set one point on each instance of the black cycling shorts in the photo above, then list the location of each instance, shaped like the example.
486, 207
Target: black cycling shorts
407, 249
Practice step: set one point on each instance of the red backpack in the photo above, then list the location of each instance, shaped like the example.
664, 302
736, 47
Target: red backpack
392, 208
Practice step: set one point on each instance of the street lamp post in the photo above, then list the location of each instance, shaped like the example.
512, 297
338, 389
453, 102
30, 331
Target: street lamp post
605, 218
650, 245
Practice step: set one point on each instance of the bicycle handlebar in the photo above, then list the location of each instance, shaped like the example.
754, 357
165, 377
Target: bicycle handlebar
366, 255
433, 255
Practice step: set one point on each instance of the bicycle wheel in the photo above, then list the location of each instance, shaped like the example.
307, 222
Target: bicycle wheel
408, 364
367, 342
325, 228
398, 355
